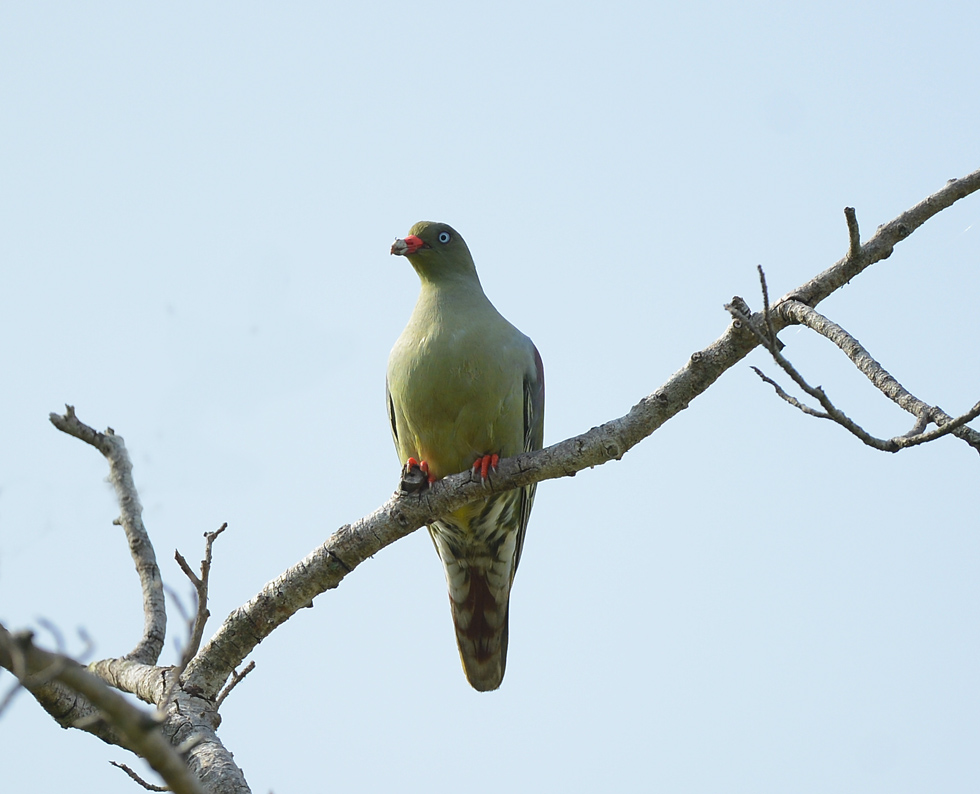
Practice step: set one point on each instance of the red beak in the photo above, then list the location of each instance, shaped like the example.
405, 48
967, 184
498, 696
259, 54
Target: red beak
408, 245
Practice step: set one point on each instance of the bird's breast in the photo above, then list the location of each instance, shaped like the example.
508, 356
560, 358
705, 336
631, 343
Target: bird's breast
455, 397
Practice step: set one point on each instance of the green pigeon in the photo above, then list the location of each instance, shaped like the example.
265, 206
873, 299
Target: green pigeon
465, 388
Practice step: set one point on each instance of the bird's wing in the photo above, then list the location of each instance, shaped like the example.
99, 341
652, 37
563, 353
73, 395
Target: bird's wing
391, 414
533, 439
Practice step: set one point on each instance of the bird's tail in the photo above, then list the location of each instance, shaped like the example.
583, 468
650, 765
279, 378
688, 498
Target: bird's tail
480, 617
479, 574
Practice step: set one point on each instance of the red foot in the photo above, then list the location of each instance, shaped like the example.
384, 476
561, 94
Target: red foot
411, 463
485, 464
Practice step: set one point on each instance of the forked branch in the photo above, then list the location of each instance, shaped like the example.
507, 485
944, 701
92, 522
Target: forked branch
799, 313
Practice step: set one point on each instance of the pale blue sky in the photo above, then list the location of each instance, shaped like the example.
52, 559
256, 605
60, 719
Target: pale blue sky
195, 214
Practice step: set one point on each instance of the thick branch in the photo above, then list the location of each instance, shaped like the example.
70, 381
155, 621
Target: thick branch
147, 681
139, 731
148, 649
190, 725
63, 704
883, 241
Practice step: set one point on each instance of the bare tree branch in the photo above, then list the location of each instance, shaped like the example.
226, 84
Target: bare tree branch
883, 242
236, 679
201, 586
781, 392
147, 681
772, 341
853, 233
132, 774
866, 363
149, 647
201, 614
796, 312
64, 704
830, 411
140, 731
191, 720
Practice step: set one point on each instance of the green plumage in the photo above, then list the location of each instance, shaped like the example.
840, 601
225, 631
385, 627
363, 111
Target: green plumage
464, 383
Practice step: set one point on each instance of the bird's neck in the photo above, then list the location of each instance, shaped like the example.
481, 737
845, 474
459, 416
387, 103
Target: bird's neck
461, 290
450, 303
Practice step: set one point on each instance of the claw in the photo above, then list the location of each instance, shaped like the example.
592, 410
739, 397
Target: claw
411, 463
415, 476
486, 464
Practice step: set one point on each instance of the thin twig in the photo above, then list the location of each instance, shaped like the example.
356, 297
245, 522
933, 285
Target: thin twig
18, 666
774, 343
55, 632
201, 584
789, 397
833, 412
201, 613
853, 233
921, 423
171, 676
236, 679
148, 786
7, 699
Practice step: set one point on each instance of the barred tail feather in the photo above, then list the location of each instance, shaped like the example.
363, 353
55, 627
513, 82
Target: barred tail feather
478, 548
481, 633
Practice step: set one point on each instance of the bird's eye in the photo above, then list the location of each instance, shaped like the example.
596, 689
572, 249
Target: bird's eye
444, 237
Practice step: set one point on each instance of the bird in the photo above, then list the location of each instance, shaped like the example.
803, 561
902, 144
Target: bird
465, 389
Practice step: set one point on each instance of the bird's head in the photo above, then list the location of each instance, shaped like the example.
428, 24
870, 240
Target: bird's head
436, 251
